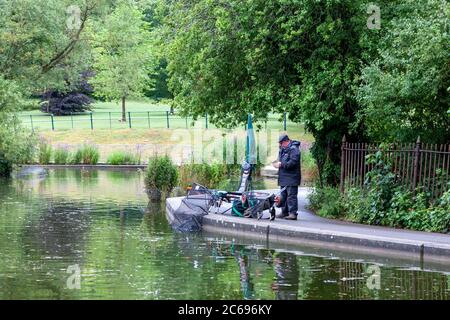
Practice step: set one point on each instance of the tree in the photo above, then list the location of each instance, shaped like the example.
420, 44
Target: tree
75, 99
39, 49
16, 144
229, 58
41, 45
404, 92
122, 55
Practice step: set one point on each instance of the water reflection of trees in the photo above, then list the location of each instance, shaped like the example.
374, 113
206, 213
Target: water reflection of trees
395, 283
60, 231
50, 237
262, 273
290, 276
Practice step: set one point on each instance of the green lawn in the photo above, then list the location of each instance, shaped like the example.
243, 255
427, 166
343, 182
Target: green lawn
144, 114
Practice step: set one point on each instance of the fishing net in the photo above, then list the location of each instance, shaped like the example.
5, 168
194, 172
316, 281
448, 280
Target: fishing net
188, 216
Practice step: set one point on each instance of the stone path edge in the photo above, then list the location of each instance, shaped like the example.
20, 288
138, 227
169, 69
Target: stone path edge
335, 240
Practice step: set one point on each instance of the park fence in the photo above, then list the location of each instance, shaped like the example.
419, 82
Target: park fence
415, 165
134, 119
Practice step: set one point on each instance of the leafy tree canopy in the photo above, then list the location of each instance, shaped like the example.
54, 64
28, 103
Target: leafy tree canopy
229, 58
404, 92
122, 54
315, 59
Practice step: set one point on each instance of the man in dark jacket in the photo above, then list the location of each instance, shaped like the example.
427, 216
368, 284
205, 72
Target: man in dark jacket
289, 176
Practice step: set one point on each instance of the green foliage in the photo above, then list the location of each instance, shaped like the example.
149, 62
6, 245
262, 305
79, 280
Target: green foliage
210, 175
382, 201
61, 155
122, 53
318, 61
122, 157
161, 174
5, 167
308, 162
404, 92
326, 201
226, 58
380, 185
86, 154
45, 152
160, 78
39, 50
404, 210
17, 145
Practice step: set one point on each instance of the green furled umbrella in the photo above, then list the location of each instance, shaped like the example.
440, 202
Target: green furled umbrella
250, 148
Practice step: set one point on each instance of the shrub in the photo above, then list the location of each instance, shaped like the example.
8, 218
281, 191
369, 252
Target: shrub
326, 201
404, 210
62, 103
122, 157
61, 156
17, 144
161, 175
418, 212
87, 154
382, 202
45, 152
5, 166
355, 205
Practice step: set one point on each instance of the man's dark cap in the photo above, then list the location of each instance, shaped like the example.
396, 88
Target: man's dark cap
283, 137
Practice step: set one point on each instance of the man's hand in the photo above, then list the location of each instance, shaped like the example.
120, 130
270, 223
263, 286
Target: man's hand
276, 164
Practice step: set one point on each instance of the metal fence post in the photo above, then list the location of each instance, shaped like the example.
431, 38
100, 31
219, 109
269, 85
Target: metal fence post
129, 119
206, 120
53, 122
31, 120
343, 160
92, 122
167, 117
186, 122
284, 121
416, 163
148, 118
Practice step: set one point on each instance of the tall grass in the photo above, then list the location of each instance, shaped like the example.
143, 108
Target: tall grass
45, 152
86, 154
210, 175
61, 155
122, 158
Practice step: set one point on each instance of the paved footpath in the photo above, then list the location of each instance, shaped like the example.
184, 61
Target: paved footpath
316, 231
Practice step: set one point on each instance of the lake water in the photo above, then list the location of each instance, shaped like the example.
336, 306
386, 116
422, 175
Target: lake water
100, 224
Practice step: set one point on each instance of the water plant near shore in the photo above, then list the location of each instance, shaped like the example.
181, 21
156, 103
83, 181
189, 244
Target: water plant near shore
86, 154
45, 152
122, 158
161, 177
61, 155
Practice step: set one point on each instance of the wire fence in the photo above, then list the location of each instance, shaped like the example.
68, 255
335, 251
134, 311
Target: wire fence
134, 119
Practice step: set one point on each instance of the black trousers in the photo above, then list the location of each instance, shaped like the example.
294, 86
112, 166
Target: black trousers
289, 203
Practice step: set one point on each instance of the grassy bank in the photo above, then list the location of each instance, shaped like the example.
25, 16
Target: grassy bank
178, 143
